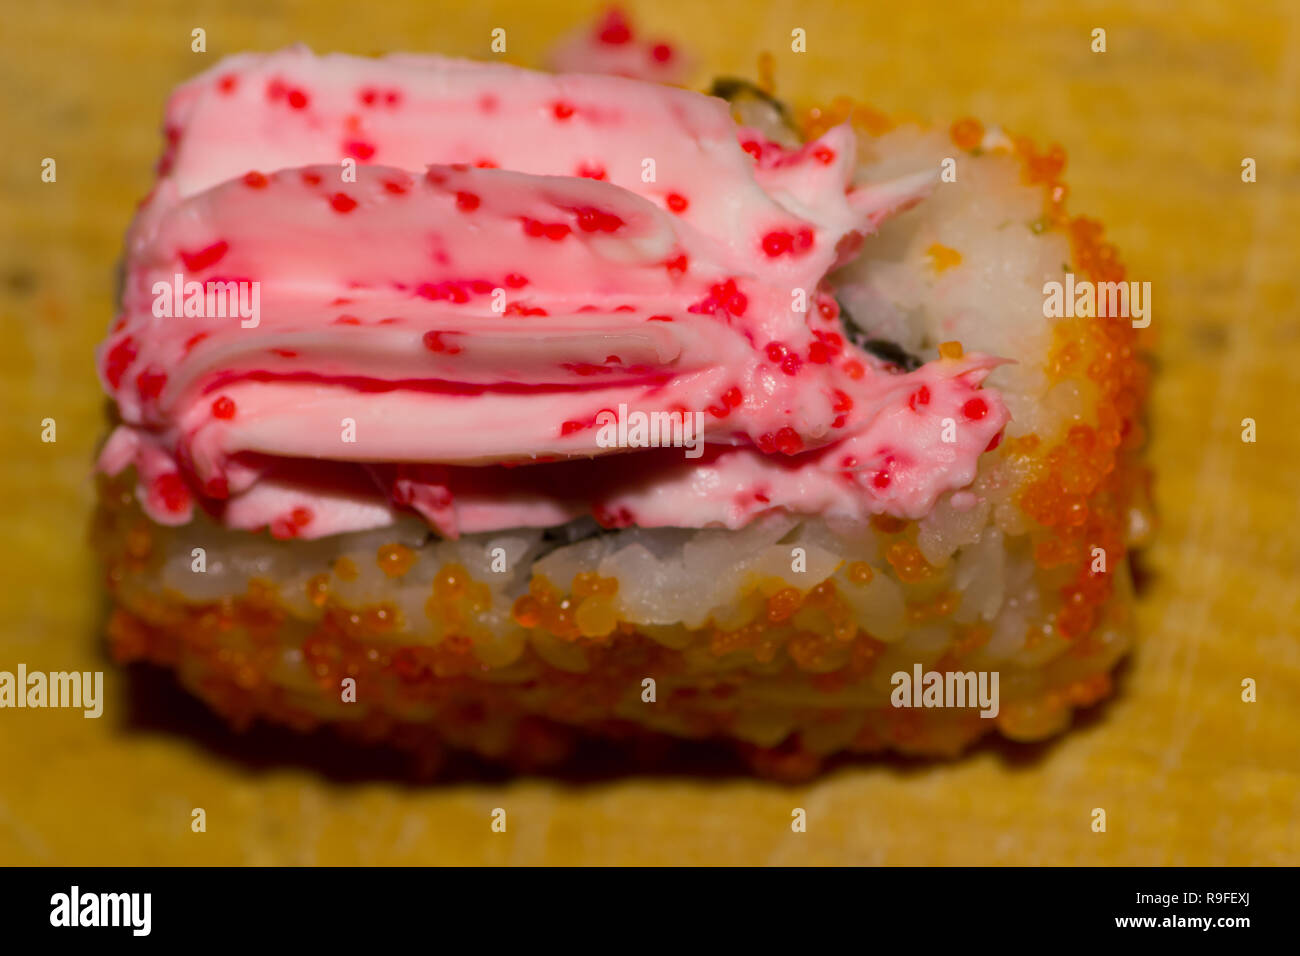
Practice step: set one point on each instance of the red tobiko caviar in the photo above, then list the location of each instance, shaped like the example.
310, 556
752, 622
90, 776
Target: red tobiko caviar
393, 186
787, 441
311, 178
824, 155
975, 409
920, 397
780, 242
466, 202
677, 265
555, 231
434, 343
562, 110
677, 202
591, 219
118, 360
291, 525
514, 280
569, 427
255, 180
298, 99
776, 243
342, 202
614, 29
227, 83
223, 407
661, 53
170, 490
359, 149
150, 382
591, 172
207, 256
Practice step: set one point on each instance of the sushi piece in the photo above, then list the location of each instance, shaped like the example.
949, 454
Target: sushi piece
463, 405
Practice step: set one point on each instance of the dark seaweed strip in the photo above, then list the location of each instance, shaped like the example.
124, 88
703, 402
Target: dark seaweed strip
731, 88
882, 349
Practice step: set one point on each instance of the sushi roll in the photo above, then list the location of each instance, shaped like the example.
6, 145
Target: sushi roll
457, 405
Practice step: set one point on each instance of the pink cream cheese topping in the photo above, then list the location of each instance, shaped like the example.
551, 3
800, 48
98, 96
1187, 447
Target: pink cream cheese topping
464, 272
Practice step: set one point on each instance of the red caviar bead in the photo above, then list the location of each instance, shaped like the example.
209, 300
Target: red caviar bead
775, 351
555, 231
678, 264
569, 427
466, 202
297, 99
434, 343
975, 408
311, 178
150, 382
732, 397
207, 256
788, 441
226, 84
255, 180
393, 186
614, 30
118, 360
854, 369
824, 154
920, 397
223, 407
368, 96
171, 491
776, 243
342, 202
591, 172
661, 52
515, 281
359, 149
677, 202
791, 364
819, 353
563, 111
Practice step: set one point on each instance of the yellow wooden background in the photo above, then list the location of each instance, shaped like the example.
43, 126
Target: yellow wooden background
1156, 129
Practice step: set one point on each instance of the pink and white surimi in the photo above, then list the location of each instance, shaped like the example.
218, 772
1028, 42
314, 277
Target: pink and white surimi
461, 265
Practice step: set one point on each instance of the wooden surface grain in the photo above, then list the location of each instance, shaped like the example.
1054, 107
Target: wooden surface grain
1156, 130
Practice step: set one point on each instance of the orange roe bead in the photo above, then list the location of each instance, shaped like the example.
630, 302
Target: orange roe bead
782, 604
596, 616
527, 611
139, 542
346, 569
318, 589
951, 350
395, 559
451, 581
967, 133
942, 258
860, 573
908, 562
